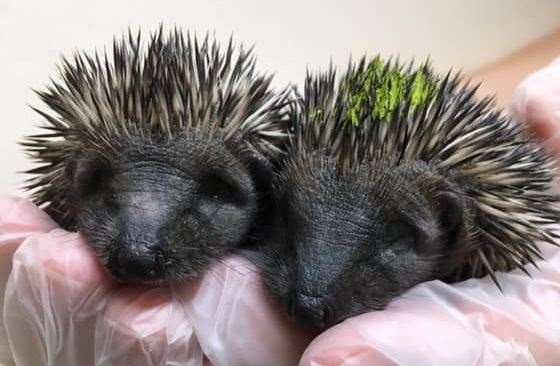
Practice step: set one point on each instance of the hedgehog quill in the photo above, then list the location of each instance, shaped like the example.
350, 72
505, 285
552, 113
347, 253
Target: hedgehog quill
396, 176
159, 155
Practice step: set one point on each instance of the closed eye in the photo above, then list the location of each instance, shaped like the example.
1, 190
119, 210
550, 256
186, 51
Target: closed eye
400, 235
222, 189
111, 200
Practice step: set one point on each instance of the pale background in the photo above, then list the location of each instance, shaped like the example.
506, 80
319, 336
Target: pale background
499, 41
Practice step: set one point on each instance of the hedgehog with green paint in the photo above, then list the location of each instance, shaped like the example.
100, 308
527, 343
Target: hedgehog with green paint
396, 176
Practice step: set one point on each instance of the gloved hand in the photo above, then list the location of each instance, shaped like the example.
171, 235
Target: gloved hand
537, 101
61, 308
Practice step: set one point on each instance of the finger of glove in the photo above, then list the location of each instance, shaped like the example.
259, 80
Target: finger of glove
50, 316
536, 101
19, 219
146, 326
465, 324
62, 308
236, 323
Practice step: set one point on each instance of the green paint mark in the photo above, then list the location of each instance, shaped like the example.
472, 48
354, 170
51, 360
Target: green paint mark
421, 90
317, 114
382, 88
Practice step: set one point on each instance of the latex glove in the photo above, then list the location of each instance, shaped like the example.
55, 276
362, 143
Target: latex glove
537, 101
18, 220
62, 308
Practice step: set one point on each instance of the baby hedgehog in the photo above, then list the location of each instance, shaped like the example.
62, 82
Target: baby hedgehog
159, 155
396, 176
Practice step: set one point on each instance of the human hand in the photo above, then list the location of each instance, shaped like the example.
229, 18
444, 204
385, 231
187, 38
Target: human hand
62, 308
18, 220
536, 101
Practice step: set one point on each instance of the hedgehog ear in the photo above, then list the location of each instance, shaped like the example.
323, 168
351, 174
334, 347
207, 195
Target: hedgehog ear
261, 168
86, 173
452, 210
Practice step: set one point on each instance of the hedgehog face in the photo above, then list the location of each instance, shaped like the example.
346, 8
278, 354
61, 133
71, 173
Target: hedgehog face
349, 242
163, 211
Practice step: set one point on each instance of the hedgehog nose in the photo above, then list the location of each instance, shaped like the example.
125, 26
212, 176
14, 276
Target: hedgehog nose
134, 266
312, 310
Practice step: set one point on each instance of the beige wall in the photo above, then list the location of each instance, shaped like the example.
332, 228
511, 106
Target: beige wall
289, 36
501, 77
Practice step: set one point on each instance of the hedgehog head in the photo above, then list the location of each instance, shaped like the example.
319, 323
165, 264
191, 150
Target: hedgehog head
367, 234
395, 177
159, 155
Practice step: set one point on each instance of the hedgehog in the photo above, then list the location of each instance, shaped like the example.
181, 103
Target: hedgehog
159, 154
396, 175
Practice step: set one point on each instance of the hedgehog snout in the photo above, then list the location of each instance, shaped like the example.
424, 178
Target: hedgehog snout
136, 265
137, 254
136, 257
314, 311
